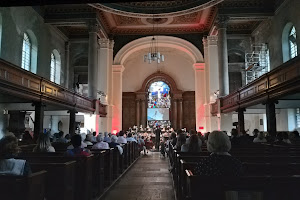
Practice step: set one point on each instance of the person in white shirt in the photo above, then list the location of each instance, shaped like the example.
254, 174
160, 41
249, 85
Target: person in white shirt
121, 138
260, 138
130, 138
100, 144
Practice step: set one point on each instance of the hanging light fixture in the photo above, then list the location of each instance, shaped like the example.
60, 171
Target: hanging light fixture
153, 53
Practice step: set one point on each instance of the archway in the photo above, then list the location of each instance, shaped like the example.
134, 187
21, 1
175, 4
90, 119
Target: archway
135, 96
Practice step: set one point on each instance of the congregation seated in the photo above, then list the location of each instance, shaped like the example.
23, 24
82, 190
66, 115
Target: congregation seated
114, 144
181, 139
8, 164
77, 147
220, 162
27, 138
192, 145
43, 144
286, 138
130, 138
61, 138
141, 143
88, 139
279, 139
260, 138
173, 138
83, 145
295, 137
100, 143
121, 138
106, 138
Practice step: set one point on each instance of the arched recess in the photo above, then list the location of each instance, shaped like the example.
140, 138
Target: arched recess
285, 42
159, 76
162, 41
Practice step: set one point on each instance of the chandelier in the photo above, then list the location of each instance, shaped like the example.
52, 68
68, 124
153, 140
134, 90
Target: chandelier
153, 53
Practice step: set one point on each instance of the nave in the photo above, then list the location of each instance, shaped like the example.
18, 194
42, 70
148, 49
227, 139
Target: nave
147, 179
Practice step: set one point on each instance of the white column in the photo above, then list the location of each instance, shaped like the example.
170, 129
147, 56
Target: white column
110, 87
212, 72
117, 71
200, 85
67, 64
92, 62
104, 81
223, 56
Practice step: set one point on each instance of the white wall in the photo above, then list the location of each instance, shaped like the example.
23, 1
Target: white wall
177, 64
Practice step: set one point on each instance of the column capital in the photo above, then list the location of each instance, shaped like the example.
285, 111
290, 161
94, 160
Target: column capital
222, 21
93, 26
118, 68
212, 40
199, 66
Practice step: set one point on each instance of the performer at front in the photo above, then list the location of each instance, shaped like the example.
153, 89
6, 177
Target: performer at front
157, 138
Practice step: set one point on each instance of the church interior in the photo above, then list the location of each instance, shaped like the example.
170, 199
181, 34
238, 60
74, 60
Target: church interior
137, 80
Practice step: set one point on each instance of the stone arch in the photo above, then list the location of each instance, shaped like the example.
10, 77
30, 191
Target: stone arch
162, 41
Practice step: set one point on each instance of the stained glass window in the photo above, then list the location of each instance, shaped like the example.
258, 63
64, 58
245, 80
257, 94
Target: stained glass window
293, 43
26, 52
159, 95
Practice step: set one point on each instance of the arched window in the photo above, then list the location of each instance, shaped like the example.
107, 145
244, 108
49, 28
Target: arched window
293, 43
55, 67
26, 53
289, 43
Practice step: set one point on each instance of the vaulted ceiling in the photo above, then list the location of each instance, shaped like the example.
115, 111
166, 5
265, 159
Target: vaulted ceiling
159, 17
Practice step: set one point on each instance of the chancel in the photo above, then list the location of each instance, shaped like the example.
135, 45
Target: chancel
110, 100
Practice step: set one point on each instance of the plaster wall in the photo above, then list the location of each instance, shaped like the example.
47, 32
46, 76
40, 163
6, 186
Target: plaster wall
177, 65
270, 31
16, 21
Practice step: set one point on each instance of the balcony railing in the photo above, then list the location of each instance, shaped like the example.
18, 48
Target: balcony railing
279, 82
23, 84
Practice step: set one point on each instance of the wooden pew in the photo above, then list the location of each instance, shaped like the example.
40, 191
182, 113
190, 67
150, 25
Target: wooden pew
83, 171
98, 172
271, 188
116, 163
30, 187
60, 179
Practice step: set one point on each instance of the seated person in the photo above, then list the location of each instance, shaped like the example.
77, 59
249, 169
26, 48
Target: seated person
106, 137
100, 144
77, 150
181, 139
83, 145
115, 144
88, 139
192, 145
61, 138
27, 138
8, 165
94, 137
43, 144
279, 139
130, 138
286, 138
220, 162
260, 138
121, 138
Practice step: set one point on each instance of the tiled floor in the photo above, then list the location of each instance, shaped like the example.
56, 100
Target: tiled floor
147, 179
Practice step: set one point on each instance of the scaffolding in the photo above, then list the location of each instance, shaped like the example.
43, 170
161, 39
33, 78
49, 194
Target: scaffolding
257, 62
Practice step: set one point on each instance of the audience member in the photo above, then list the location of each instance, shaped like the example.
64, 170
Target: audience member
121, 138
61, 138
27, 138
100, 143
77, 150
141, 144
192, 145
181, 139
94, 137
8, 164
220, 162
43, 144
286, 138
88, 139
130, 138
260, 138
234, 137
279, 139
106, 138
115, 144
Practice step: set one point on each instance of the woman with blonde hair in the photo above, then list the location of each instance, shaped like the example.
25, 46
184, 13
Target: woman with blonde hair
43, 144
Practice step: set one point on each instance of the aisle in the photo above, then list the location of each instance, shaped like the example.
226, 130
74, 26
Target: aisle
148, 179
